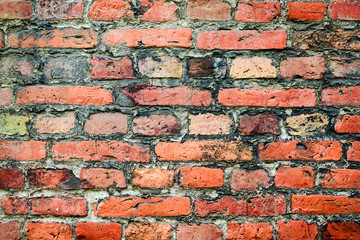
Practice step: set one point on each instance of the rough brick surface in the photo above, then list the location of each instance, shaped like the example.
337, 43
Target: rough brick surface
249, 179
15, 9
11, 178
160, 11
56, 10
155, 125
201, 232
249, 231
48, 123
48, 178
297, 177
257, 11
306, 67
95, 230
307, 124
347, 124
106, 124
102, 178
341, 230
208, 10
215, 125
200, 177
160, 67
148, 231
341, 178
258, 124
153, 177
5, 96
110, 10
22, 150
345, 68
344, 10
48, 230
297, 230
10, 230
306, 11
107, 68
255, 67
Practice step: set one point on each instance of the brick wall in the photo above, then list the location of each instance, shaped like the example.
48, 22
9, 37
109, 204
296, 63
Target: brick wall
201, 120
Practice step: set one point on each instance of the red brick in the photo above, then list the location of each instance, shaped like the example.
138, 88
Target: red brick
153, 177
341, 230
144, 207
162, 96
10, 230
353, 154
343, 96
200, 177
151, 37
100, 151
249, 179
257, 11
269, 97
110, 10
11, 178
59, 9
2, 41
73, 95
302, 151
344, 10
102, 178
258, 124
209, 124
223, 207
148, 231
160, 11
53, 178
56, 206
264, 206
98, 231
341, 178
297, 230
48, 231
203, 151
48, 123
15, 9
305, 67
263, 231
5, 96
306, 11
106, 123
295, 177
56, 38
238, 40
348, 124
217, 10
200, 232
108, 68
22, 151
324, 204
156, 125
345, 68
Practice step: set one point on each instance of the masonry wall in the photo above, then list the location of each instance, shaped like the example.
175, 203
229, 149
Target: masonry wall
181, 120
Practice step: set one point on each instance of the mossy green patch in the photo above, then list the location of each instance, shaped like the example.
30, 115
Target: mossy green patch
13, 124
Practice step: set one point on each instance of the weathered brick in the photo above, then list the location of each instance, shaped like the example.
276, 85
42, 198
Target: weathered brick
160, 11
203, 151
307, 124
200, 177
22, 150
156, 125
248, 230
48, 230
106, 123
182, 96
209, 124
152, 37
341, 178
13, 124
73, 95
11, 178
206, 67
148, 231
59, 9
295, 177
263, 206
144, 207
108, 68
254, 67
15, 9
345, 68
19, 69
160, 67
353, 154
249, 179
338, 38
347, 124
69, 67
53, 124
238, 40
344, 10
341, 230
200, 232
269, 97
2, 41
225, 206
5, 96
302, 151
324, 204
343, 96
305, 67
98, 230
53, 178
110, 10
153, 177
102, 178
10, 230
217, 10
100, 151
306, 11
257, 11
297, 230
258, 124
